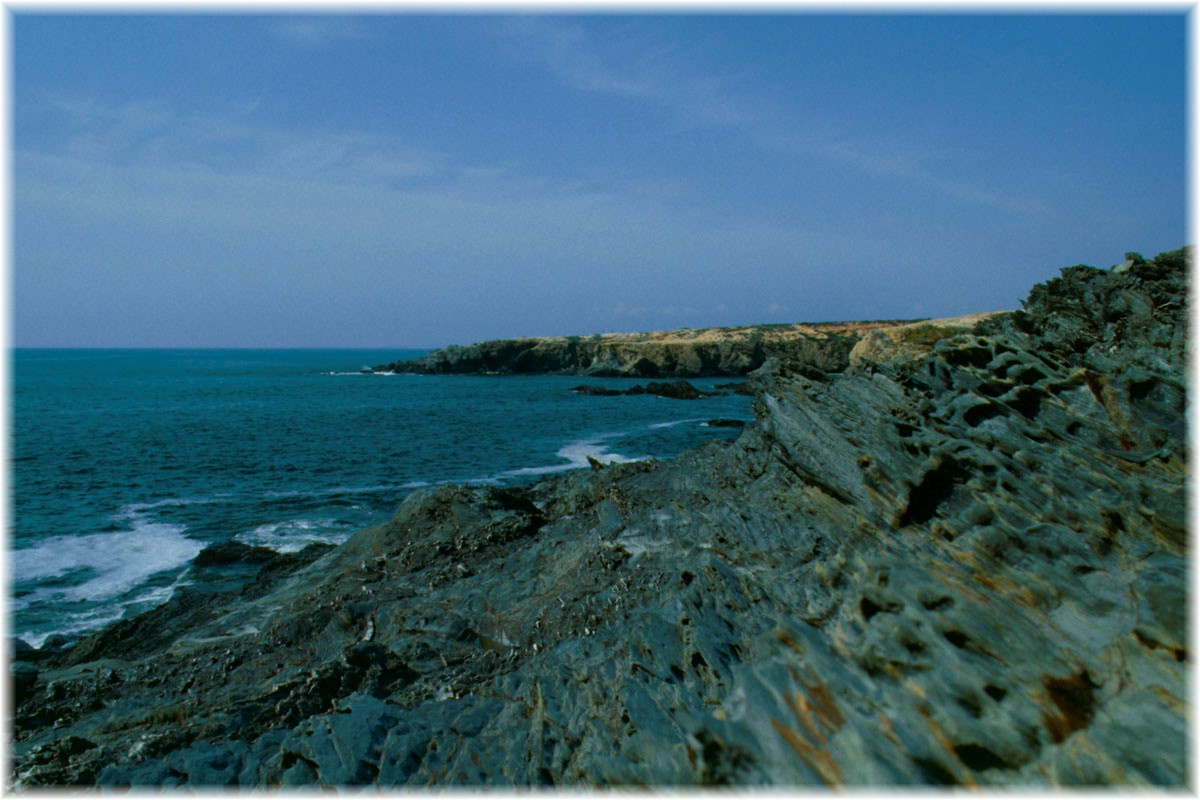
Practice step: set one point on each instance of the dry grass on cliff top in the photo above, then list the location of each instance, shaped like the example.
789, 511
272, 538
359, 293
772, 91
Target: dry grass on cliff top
780, 331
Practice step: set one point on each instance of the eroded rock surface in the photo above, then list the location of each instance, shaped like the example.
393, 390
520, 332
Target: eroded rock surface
968, 568
911, 340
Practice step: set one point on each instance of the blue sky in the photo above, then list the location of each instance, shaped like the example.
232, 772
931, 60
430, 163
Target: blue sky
396, 179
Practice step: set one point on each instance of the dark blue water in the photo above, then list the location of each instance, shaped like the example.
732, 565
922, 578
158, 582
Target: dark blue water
126, 463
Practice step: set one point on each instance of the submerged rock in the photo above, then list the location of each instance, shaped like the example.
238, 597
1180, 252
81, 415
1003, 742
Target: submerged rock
738, 387
598, 391
968, 567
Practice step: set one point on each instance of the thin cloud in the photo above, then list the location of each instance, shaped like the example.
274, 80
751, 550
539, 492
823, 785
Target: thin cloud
227, 140
911, 166
627, 65
297, 247
568, 52
317, 31
249, 204
642, 68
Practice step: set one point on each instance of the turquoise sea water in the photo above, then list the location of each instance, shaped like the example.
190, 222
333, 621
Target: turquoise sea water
126, 463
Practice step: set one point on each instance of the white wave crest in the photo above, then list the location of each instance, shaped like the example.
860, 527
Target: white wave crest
135, 512
673, 423
576, 454
76, 624
112, 563
100, 616
292, 535
363, 371
383, 487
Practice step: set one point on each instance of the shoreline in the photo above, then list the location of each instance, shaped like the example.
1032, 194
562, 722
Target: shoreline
923, 568
152, 527
732, 351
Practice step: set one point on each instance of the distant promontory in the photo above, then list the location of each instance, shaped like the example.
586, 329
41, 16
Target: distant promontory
685, 353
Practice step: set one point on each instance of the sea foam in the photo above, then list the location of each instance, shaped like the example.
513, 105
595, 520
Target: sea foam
363, 371
109, 564
577, 454
292, 535
136, 512
80, 622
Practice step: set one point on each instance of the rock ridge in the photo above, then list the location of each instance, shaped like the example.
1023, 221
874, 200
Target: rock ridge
962, 563
685, 353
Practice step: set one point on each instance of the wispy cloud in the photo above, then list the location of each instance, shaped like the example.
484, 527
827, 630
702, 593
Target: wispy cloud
317, 31
225, 139
567, 51
270, 214
917, 166
629, 63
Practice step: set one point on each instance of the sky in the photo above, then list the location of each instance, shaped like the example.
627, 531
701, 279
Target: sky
415, 180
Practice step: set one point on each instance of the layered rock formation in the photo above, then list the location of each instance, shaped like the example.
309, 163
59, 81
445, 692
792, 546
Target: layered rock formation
688, 353
967, 567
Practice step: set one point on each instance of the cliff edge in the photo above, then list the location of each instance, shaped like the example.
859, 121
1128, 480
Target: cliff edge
964, 565
685, 353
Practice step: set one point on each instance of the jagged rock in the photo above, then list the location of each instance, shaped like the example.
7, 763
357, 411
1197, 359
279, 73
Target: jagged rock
20, 650
678, 390
66, 761
598, 391
964, 568
911, 341
55, 643
232, 552
24, 678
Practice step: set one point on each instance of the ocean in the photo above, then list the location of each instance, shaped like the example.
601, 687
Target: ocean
125, 464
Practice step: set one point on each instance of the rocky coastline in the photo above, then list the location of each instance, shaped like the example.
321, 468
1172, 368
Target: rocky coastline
947, 554
686, 353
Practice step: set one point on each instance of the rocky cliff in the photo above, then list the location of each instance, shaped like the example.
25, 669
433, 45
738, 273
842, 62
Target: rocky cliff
960, 562
691, 352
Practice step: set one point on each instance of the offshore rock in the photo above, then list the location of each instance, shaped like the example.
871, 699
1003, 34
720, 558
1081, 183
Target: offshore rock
232, 552
739, 387
677, 390
966, 568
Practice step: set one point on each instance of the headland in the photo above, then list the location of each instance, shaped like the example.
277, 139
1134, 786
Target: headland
684, 353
